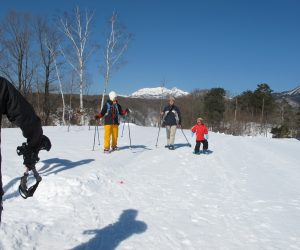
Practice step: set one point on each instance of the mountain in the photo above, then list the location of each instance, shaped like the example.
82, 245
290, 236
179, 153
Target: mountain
293, 92
153, 93
292, 96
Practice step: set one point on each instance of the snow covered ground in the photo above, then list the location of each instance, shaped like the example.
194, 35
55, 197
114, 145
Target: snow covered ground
244, 195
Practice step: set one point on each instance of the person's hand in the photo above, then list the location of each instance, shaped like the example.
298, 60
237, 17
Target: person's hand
179, 126
30, 153
127, 111
45, 143
97, 117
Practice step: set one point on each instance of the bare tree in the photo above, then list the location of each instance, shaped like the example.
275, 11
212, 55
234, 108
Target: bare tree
54, 55
47, 38
117, 41
77, 30
18, 67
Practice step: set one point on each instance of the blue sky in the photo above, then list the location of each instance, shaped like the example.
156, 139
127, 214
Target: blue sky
233, 44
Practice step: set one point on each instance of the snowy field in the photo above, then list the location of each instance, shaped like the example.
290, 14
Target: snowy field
244, 195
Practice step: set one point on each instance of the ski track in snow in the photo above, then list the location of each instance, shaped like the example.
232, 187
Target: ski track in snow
244, 195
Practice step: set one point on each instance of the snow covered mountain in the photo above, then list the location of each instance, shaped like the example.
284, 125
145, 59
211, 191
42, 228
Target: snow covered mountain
158, 93
292, 96
246, 196
293, 92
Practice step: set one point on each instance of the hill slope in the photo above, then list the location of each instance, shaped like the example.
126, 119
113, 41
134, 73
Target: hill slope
245, 195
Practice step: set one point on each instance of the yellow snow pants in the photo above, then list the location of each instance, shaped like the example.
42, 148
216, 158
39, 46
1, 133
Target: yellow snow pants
110, 131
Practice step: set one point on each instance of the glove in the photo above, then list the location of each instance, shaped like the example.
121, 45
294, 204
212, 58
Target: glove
40, 143
127, 111
206, 136
97, 117
45, 143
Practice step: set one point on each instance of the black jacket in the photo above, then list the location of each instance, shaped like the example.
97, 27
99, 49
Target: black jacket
21, 113
171, 116
111, 113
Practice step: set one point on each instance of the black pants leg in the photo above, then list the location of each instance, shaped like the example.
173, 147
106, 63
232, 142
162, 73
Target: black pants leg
205, 144
197, 147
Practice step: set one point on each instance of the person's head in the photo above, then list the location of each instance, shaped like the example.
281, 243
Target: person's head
199, 120
112, 96
171, 100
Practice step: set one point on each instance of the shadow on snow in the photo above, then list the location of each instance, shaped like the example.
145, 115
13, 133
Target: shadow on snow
56, 165
109, 237
140, 148
51, 166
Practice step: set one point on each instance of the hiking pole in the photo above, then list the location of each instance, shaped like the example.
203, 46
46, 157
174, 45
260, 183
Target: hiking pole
160, 110
185, 137
98, 134
158, 132
123, 127
94, 137
129, 133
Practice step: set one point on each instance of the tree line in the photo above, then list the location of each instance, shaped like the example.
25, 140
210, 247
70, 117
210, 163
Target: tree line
42, 55
47, 60
250, 112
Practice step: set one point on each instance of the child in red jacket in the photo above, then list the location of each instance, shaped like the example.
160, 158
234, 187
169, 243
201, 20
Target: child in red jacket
201, 136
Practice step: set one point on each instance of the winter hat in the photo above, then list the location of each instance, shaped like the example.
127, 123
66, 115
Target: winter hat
112, 95
171, 98
199, 120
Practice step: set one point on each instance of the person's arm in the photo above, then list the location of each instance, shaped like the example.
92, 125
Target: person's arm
205, 133
102, 112
20, 112
164, 111
205, 130
194, 129
121, 111
179, 115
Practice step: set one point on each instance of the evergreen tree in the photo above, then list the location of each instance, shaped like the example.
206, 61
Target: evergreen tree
246, 101
263, 100
214, 106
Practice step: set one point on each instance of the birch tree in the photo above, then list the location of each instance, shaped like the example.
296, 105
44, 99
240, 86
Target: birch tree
77, 29
54, 56
117, 41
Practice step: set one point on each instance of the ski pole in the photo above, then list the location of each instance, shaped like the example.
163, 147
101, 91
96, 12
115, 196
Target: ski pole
185, 137
158, 132
129, 133
123, 127
94, 137
98, 134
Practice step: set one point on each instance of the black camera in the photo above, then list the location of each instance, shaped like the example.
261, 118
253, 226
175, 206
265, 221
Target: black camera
22, 149
30, 155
